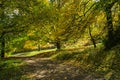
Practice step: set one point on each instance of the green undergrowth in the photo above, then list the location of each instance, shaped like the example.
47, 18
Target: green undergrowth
95, 60
63, 56
10, 69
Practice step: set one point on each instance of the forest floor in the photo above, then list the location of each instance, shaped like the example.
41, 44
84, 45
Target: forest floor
50, 69
43, 67
72, 64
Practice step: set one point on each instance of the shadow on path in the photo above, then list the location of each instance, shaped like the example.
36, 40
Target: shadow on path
48, 69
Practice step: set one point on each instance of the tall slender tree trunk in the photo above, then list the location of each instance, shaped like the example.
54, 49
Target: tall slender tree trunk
2, 46
109, 23
92, 39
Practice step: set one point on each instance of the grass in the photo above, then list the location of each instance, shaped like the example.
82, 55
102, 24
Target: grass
62, 56
95, 60
32, 53
10, 69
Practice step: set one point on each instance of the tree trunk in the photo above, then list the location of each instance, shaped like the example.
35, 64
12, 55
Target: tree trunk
39, 47
110, 36
109, 23
110, 41
2, 46
58, 45
92, 39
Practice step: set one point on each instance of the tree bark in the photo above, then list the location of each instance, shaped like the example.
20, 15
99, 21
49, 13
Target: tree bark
109, 23
110, 34
2, 46
92, 39
58, 45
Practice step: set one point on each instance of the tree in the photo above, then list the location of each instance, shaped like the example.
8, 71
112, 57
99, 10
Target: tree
107, 8
15, 18
71, 20
8, 23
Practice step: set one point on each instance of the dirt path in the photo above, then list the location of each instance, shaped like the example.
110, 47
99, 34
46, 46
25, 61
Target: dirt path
48, 69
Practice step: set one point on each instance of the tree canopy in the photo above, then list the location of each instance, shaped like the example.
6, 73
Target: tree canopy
59, 22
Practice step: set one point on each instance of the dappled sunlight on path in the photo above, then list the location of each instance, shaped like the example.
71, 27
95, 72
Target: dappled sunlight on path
49, 69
